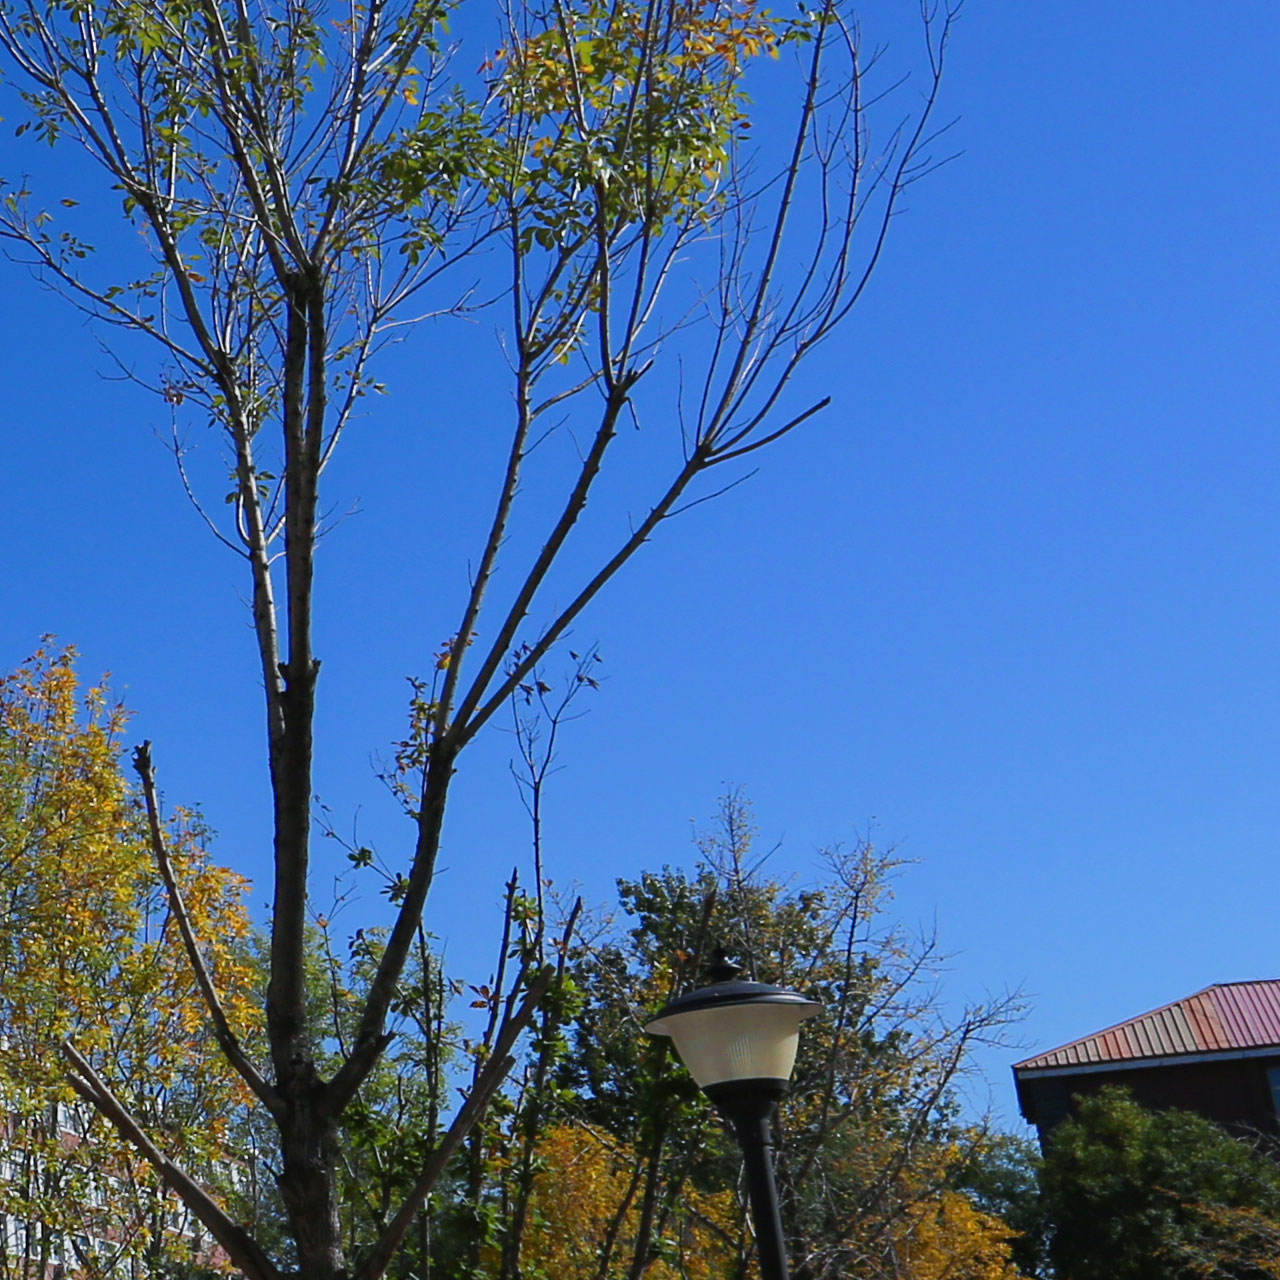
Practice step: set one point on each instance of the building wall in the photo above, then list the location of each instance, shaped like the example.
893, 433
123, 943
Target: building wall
1236, 1093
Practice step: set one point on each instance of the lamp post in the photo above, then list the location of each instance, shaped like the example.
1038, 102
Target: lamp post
739, 1041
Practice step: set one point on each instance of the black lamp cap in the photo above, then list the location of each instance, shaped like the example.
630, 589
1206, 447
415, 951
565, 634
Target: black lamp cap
726, 988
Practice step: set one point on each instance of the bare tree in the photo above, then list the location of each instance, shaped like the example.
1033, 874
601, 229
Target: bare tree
307, 183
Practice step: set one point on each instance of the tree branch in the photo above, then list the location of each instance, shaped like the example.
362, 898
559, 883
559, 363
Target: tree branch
228, 1041
241, 1247
486, 1084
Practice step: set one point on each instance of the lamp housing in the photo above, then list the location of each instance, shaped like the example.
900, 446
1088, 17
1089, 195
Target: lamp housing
734, 1030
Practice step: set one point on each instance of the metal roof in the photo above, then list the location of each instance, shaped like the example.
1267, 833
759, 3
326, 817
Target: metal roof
1226, 1016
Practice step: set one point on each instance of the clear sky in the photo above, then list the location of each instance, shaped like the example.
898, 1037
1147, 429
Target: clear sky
1012, 602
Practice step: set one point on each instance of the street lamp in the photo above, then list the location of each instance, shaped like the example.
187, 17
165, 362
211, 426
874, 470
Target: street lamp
739, 1041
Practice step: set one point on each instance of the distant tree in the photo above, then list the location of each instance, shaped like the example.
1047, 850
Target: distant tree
1132, 1194
1002, 1178
302, 183
89, 952
870, 1139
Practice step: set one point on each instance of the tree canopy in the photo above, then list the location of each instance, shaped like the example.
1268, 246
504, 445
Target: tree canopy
1132, 1194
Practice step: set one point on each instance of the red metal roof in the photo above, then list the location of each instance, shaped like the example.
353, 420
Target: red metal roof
1228, 1015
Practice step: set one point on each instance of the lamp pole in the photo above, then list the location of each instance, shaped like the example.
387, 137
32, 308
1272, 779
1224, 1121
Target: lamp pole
750, 1111
739, 1041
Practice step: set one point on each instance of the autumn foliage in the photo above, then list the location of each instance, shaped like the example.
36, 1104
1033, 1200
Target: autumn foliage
300, 185
587, 1179
605, 1162
949, 1238
88, 956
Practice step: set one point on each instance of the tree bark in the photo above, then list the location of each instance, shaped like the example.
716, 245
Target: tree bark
308, 1186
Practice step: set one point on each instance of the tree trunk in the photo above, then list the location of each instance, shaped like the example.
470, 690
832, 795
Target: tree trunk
309, 1150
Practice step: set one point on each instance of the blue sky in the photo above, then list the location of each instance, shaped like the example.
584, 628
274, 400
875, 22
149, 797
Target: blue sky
1011, 603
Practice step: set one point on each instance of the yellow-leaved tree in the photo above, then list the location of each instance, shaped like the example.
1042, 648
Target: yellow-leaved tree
950, 1238
590, 1193
91, 965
